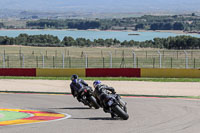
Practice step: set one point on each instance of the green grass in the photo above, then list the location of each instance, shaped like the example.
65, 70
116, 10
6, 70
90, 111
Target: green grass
111, 78
12, 115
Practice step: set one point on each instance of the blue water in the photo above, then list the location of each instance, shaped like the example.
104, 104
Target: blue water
120, 35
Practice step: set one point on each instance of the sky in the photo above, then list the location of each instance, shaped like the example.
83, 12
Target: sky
102, 5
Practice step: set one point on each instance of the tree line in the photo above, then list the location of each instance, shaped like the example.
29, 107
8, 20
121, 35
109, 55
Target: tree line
63, 24
188, 22
178, 42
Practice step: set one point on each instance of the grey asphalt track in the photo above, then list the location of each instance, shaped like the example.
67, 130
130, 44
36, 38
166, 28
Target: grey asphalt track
147, 115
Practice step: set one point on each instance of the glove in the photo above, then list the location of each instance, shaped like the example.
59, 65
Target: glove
113, 92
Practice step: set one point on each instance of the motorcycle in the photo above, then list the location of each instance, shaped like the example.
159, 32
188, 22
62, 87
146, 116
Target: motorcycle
87, 98
116, 106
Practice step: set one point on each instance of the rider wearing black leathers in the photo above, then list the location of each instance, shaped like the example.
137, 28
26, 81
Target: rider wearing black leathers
76, 85
101, 93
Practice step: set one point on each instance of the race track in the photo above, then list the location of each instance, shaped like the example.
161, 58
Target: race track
147, 115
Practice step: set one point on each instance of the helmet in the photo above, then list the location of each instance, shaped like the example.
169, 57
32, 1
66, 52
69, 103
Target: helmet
96, 82
74, 78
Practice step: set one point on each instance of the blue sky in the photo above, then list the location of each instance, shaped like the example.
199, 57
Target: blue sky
102, 5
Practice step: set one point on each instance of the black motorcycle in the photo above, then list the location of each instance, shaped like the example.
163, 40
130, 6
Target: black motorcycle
116, 106
87, 98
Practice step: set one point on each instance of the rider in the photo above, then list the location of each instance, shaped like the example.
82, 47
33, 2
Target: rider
101, 93
76, 85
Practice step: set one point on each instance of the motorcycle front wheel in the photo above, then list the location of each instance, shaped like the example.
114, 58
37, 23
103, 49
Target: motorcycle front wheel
120, 112
94, 103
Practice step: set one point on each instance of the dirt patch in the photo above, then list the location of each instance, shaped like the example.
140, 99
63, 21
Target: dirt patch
122, 87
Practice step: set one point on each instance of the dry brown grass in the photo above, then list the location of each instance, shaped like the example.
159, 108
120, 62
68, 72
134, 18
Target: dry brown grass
75, 57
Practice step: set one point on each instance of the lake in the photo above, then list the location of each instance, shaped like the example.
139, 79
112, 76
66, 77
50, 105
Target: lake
120, 35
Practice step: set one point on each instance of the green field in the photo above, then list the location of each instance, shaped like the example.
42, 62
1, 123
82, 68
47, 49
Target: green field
110, 78
14, 23
74, 57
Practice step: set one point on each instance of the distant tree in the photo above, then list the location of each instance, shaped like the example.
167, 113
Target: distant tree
68, 41
22, 39
167, 26
84, 25
178, 26
2, 25
193, 14
81, 42
139, 26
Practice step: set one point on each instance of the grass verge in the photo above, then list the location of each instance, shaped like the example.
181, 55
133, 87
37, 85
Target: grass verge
111, 78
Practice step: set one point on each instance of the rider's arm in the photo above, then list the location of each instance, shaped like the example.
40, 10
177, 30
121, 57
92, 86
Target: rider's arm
83, 82
110, 89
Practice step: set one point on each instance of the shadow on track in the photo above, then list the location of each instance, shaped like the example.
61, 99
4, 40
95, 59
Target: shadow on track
97, 118
72, 108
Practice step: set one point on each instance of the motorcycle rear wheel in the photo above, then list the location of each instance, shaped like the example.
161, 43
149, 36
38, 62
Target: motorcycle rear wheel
94, 103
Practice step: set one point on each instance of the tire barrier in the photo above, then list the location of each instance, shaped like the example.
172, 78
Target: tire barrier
170, 73
113, 72
103, 72
31, 72
59, 72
